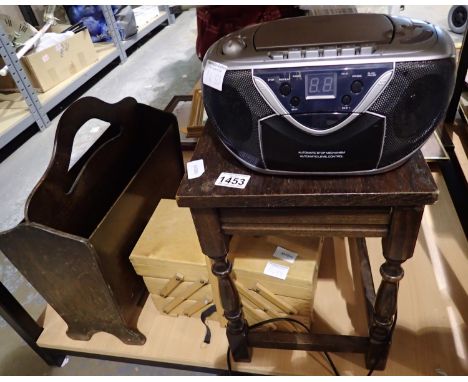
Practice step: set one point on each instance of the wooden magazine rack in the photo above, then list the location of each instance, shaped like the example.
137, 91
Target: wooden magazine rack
81, 223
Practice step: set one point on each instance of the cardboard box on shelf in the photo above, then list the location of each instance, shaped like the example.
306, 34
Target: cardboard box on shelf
55, 64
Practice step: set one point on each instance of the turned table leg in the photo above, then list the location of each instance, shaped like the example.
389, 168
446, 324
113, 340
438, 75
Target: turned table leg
398, 246
214, 244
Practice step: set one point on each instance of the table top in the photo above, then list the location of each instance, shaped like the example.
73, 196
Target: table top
408, 185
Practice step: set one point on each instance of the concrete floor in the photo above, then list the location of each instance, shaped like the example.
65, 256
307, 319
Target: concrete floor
163, 67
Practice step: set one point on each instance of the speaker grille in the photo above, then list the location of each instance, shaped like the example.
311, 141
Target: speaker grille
414, 103
238, 107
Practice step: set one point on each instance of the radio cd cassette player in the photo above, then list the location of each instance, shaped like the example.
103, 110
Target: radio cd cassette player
339, 94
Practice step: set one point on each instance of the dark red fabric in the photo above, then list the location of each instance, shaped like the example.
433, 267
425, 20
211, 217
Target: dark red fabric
214, 22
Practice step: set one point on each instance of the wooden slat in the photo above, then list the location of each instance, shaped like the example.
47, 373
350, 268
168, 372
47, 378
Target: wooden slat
310, 342
190, 291
171, 284
254, 315
195, 307
251, 296
160, 302
155, 285
283, 305
305, 230
306, 216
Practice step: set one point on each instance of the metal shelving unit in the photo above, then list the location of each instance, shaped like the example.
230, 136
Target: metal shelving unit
18, 126
153, 24
15, 121
114, 32
54, 96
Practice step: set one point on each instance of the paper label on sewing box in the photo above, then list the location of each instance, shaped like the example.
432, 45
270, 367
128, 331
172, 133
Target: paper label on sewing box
285, 254
213, 74
227, 179
195, 169
276, 270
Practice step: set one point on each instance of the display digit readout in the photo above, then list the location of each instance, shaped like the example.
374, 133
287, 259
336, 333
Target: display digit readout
320, 85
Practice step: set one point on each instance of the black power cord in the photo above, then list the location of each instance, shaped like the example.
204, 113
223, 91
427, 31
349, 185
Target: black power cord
332, 364
326, 355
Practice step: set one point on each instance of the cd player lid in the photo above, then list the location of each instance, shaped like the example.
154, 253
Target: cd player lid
360, 28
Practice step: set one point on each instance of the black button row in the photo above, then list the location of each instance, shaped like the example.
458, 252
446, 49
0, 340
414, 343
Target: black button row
285, 90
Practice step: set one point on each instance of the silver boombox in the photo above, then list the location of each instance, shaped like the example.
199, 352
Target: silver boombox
347, 94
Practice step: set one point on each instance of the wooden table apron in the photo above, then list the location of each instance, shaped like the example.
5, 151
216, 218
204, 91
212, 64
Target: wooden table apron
388, 205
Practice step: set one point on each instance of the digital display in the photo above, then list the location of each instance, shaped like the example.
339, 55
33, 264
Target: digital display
320, 86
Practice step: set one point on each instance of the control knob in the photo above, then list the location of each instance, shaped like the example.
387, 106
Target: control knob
234, 46
356, 86
285, 88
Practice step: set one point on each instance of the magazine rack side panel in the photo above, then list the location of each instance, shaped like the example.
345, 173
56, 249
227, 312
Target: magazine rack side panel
65, 271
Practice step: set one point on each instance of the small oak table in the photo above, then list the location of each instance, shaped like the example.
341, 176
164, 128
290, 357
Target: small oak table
388, 205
